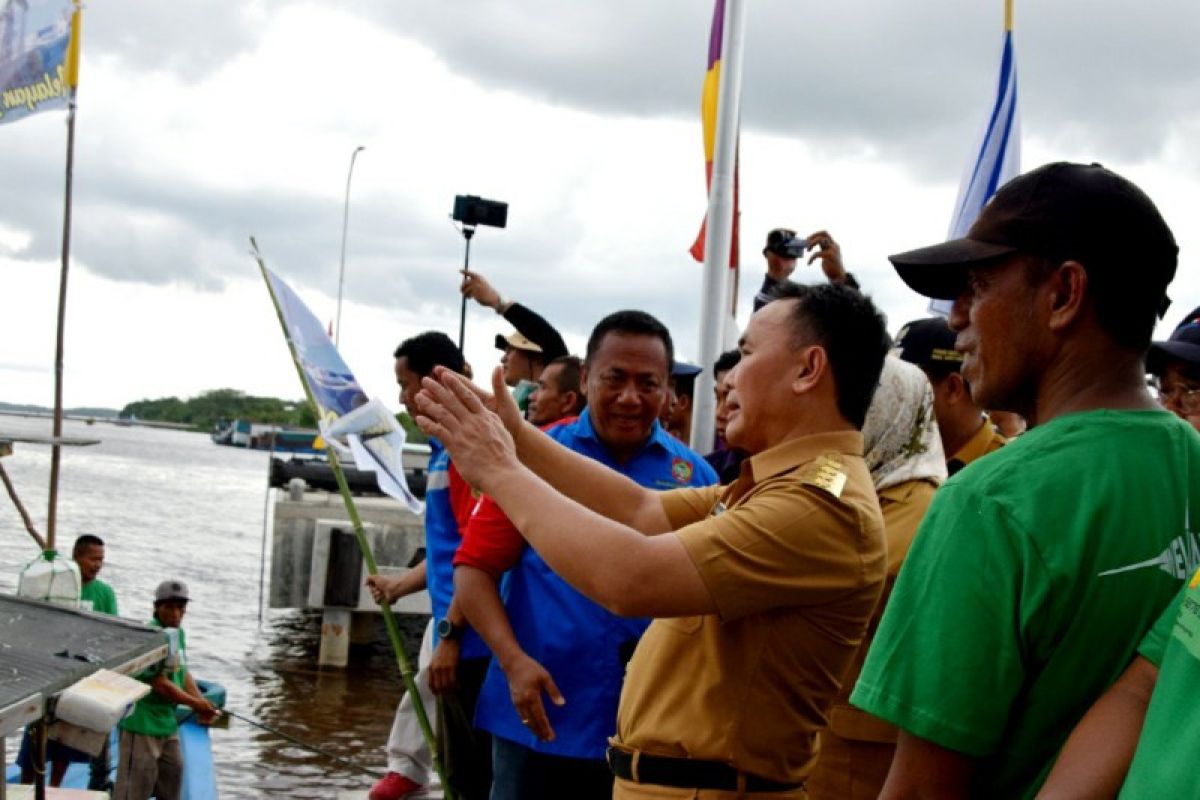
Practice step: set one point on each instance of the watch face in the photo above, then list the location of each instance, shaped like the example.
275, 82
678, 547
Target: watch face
444, 629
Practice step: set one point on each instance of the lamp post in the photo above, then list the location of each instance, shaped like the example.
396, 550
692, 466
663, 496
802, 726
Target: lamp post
337, 329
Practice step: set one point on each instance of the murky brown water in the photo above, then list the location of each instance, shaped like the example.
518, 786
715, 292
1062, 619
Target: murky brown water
173, 504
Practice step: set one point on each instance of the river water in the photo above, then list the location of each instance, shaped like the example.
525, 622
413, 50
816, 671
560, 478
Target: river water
171, 504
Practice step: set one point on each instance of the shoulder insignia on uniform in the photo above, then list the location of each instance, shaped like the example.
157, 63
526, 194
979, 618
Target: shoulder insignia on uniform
827, 473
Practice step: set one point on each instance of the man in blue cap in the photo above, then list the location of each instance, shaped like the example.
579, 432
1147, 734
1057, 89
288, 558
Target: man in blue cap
1175, 365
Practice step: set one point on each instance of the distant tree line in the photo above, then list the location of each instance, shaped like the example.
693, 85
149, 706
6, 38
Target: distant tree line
208, 409
219, 406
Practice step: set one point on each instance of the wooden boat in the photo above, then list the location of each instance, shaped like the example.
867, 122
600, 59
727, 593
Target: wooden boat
199, 777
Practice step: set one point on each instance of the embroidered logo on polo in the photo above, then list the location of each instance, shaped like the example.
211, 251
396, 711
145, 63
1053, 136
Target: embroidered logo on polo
681, 470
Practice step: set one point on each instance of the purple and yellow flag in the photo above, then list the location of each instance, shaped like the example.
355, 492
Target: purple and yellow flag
708, 115
39, 56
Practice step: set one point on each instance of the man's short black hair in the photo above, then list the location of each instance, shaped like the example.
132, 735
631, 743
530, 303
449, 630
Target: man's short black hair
726, 361
570, 379
685, 386
428, 350
84, 542
630, 323
852, 331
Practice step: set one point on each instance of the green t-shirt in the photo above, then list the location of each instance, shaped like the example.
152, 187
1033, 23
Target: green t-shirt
154, 714
1165, 762
98, 596
1032, 579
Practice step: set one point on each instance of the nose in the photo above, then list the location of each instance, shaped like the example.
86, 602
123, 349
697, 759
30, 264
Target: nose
960, 312
628, 394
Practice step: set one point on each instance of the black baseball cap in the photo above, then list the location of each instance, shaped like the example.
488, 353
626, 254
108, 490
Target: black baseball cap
929, 343
1060, 211
784, 242
1183, 345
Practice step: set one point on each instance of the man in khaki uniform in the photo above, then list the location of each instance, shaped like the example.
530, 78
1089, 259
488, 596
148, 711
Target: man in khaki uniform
967, 433
761, 590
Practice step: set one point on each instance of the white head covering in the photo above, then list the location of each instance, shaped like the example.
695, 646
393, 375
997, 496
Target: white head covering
900, 434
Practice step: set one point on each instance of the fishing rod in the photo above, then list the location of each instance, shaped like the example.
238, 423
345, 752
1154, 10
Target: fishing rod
350, 765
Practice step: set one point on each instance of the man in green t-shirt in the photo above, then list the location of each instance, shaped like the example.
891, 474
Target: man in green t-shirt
1038, 570
151, 760
1156, 697
95, 595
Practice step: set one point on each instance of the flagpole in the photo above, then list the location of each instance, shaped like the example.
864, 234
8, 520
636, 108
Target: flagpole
407, 674
72, 74
719, 224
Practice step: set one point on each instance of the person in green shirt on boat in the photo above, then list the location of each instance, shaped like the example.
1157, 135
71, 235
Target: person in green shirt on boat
95, 594
151, 759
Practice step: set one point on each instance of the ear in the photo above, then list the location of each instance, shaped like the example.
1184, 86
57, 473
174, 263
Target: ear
583, 380
956, 387
812, 363
1067, 288
684, 402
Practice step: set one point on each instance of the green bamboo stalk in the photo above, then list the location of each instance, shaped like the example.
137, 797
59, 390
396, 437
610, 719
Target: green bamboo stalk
407, 674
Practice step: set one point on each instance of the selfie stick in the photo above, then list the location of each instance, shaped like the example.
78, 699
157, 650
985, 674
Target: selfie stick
467, 231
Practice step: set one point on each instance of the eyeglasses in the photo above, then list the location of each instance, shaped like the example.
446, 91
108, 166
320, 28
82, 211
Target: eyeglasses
1186, 396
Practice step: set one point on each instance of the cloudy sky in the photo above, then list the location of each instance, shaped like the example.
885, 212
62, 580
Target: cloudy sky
203, 123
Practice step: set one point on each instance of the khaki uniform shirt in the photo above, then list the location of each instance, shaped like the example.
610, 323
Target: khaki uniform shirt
985, 440
793, 555
846, 768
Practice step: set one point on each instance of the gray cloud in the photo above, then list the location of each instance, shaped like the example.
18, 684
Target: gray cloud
909, 80
904, 83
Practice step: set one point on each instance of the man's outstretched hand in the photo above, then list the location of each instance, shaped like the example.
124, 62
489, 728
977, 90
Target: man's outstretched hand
476, 427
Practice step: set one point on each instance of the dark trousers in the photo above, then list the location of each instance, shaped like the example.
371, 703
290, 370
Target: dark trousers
465, 751
524, 774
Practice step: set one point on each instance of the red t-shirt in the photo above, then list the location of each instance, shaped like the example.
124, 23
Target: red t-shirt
490, 541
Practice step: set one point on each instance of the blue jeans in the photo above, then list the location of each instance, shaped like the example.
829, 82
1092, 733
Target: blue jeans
519, 773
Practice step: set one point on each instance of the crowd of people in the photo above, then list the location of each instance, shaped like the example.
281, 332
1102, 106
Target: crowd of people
958, 562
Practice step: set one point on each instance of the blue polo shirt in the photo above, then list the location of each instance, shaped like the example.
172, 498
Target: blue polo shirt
442, 538
583, 646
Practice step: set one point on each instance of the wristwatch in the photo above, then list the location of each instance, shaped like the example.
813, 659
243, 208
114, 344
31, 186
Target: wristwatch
448, 631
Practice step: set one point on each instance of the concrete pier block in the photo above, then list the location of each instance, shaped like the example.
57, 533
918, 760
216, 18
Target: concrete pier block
335, 638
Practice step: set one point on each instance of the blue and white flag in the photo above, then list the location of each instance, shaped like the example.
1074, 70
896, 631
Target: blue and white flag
373, 437
997, 158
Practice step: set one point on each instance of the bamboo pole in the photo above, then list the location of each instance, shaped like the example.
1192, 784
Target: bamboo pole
56, 449
407, 674
12, 493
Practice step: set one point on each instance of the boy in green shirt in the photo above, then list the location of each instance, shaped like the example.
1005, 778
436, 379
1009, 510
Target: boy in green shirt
151, 760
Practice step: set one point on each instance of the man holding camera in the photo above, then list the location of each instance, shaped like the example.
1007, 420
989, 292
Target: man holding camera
784, 247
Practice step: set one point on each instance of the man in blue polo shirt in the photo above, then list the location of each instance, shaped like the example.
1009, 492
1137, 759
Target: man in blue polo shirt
547, 637
455, 668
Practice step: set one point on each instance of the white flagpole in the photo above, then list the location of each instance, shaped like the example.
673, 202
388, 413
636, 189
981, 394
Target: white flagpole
714, 302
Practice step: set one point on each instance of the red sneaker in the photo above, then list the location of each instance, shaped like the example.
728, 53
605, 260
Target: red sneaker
393, 786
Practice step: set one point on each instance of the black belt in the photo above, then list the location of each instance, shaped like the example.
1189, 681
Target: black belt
689, 773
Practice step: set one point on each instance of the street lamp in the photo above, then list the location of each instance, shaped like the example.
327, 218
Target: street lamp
337, 329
